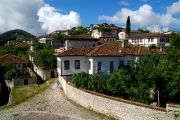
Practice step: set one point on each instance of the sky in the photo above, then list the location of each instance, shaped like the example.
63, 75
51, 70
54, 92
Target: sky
45, 16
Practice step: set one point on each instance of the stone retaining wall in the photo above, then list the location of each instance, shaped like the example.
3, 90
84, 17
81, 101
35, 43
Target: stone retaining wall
45, 74
118, 108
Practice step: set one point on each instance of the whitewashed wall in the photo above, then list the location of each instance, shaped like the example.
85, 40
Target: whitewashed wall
118, 108
90, 64
105, 63
84, 65
96, 34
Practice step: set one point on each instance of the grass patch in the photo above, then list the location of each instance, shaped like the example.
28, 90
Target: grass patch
23, 93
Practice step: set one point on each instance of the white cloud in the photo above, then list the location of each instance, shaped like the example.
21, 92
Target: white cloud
27, 15
174, 8
52, 20
146, 18
124, 2
20, 14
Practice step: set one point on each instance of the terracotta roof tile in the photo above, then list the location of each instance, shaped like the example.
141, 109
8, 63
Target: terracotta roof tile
111, 50
75, 52
12, 58
137, 34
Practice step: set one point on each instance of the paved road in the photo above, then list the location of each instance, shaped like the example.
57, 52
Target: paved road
50, 105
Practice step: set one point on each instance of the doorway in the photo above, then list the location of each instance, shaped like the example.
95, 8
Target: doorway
52, 74
25, 82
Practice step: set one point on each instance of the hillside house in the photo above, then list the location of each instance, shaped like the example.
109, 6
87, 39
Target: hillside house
78, 42
102, 59
105, 30
17, 61
145, 39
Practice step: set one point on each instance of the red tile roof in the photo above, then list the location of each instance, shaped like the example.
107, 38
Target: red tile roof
137, 34
75, 52
12, 58
110, 50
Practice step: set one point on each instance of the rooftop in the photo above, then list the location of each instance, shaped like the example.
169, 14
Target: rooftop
137, 34
12, 58
110, 50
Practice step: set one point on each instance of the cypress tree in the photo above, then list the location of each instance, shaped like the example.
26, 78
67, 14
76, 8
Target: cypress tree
128, 25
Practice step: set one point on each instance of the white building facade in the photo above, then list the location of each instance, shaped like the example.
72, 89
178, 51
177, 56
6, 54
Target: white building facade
101, 60
145, 39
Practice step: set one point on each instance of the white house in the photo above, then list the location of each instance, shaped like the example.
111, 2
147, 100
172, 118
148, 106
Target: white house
44, 39
62, 32
145, 39
105, 30
18, 62
102, 59
78, 42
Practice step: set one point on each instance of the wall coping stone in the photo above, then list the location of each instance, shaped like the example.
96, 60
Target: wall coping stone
120, 99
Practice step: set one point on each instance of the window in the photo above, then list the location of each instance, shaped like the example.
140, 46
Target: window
148, 39
152, 40
128, 62
111, 66
120, 64
77, 64
140, 41
66, 65
99, 66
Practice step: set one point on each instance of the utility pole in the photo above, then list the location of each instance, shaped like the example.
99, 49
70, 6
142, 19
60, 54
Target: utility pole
158, 97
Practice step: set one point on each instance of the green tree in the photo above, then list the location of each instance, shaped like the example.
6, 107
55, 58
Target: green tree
6, 66
128, 25
13, 72
143, 31
119, 83
41, 46
78, 31
58, 37
45, 59
175, 39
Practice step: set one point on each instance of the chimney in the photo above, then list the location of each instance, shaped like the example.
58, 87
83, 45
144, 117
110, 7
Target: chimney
122, 44
120, 51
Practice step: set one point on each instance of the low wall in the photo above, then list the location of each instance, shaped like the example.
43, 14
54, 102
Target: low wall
118, 108
44, 74
20, 81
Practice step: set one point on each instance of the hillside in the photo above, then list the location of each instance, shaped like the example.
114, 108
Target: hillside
15, 35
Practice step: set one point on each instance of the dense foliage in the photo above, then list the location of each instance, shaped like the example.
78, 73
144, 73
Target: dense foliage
175, 40
58, 37
19, 50
44, 56
78, 31
8, 71
90, 82
103, 29
15, 35
143, 31
128, 25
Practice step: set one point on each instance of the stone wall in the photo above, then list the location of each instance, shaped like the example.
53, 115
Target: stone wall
118, 108
21, 81
45, 74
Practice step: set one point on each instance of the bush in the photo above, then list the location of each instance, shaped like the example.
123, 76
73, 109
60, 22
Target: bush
89, 82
